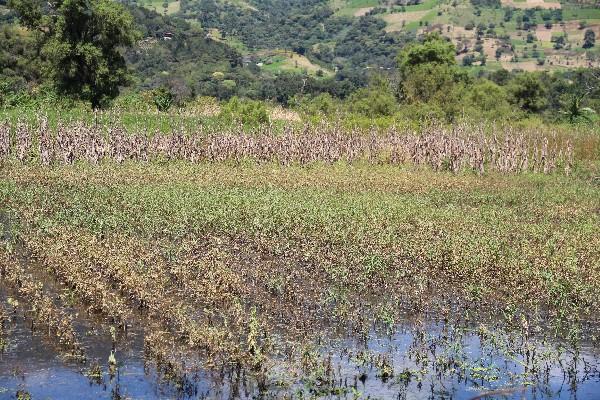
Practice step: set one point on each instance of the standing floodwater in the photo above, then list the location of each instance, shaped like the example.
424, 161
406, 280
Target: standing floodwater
425, 361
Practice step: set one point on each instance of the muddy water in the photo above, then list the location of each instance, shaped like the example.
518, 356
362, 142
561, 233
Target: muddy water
489, 372
32, 364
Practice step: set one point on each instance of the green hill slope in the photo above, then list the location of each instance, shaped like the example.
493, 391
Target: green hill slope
364, 34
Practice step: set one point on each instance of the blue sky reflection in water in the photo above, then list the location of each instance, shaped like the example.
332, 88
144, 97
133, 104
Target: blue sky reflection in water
31, 363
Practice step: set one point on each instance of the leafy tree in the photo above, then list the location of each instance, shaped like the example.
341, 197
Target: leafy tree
247, 112
17, 56
589, 39
433, 51
488, 99
163, 99
374, 101
498, 54
322, 104
81, 42
559, 42
500, 77
428, 70
371, 103
480, 29
528, 92
468, 60
574, 94
486, 3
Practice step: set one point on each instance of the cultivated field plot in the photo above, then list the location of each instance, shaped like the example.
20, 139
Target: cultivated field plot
458, 21
398, 21
159, 6
316, 262
353, 7
532, 4
278, 60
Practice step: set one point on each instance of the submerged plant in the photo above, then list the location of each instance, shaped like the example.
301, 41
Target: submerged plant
23, 395
3, 322
94, 373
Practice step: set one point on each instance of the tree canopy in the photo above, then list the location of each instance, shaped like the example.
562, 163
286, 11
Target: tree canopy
434, 50
429, 73
81, 43
589, 39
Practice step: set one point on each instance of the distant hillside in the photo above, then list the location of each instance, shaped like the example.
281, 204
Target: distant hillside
278, 49
322, 37
364, 34
180, 54
308, 29
189, 59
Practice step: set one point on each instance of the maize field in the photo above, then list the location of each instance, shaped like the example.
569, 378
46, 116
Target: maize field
437, 147
301, 263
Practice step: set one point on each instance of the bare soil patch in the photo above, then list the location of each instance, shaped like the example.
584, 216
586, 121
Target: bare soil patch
524, 65
362, 11
544, 34
395, 20
531, 4
571, 61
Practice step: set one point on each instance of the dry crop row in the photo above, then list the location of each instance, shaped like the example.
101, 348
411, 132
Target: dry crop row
440, 148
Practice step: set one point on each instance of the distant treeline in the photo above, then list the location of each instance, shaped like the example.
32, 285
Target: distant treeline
176, 61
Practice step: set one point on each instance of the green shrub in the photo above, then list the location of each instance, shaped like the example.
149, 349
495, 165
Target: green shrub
245, 111
134, 101
372, 103
321, 105
163, 99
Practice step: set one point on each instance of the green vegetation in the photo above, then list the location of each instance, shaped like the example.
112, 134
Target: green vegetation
81, 43
350, 7
269, 246
589, 39
259, 215
265, 51
263, 203
572, 12
167, 7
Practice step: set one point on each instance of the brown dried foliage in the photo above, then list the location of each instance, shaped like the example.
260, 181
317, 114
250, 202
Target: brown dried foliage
44, 311
458, 148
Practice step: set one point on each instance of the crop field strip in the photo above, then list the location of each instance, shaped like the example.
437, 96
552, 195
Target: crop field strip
462, 147
138, 283
284, 202
256, 249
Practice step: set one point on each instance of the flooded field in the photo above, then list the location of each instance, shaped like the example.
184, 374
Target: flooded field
432, 361
445, 350
341, 273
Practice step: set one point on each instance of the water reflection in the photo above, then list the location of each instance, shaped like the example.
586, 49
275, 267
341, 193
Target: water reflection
417, 362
